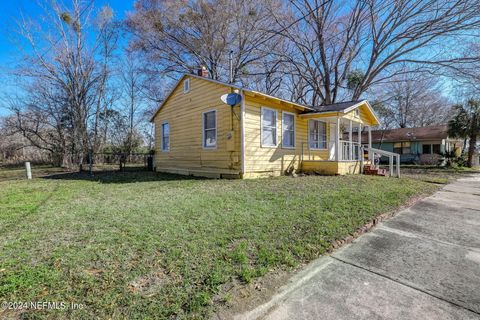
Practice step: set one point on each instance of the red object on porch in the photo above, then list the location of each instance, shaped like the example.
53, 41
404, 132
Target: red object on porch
371, 170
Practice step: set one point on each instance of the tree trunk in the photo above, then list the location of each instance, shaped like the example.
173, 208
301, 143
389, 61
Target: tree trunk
471, 149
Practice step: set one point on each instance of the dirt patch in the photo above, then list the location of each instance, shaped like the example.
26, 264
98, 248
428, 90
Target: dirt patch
246, 297
94, 272
147, 285
11, 314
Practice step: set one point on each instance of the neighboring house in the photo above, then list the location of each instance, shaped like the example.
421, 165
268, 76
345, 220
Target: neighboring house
197, 134
417, 145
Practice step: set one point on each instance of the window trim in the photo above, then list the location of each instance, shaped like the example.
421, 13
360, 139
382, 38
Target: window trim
186, 85
429, 145
294, 129
161, 141
439, 148
356, 113
403, 147
309, 138
275, 145
203, 130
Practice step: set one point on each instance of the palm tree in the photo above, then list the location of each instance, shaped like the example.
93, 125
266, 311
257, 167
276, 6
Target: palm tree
466, 124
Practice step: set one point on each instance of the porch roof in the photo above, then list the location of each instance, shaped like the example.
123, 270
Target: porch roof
338, 107
341, 109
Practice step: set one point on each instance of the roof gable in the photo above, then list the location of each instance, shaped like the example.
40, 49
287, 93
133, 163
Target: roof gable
179, 82
346, 107
250, 92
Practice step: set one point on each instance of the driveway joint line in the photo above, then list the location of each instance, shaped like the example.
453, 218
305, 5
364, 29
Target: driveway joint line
417, 235
405, 284
454, 191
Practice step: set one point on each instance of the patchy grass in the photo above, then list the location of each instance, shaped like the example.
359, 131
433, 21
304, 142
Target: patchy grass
435, 174
19, 173
139, 245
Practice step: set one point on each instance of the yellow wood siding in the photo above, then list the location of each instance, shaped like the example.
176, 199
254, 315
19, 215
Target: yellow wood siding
365, 117
183, 111
274, 160
332, 167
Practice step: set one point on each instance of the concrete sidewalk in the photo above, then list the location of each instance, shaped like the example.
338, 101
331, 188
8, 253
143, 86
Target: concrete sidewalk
422, 264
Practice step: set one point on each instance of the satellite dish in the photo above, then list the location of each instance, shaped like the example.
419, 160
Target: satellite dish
232, 99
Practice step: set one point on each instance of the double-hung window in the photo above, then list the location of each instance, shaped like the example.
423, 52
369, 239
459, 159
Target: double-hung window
269, 127
431, 149
317, 134
165, 136
402, 147
427, 149
288, 130
210, 129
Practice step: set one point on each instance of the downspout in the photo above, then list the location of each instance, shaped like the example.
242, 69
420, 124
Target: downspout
242, 135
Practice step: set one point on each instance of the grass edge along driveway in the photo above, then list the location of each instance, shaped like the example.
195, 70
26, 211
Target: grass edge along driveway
143, 245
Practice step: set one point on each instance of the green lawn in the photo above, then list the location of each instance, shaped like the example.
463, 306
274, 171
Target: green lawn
144, 245
18, 172
436, 174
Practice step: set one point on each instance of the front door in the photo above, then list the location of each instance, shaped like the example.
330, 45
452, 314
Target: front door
331, 141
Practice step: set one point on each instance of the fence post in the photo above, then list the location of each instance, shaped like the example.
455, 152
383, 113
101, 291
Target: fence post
29, 170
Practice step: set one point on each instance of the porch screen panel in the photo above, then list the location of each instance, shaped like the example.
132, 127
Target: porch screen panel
317, 134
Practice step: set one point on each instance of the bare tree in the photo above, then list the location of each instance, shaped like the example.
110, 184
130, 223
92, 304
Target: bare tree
343, 48
182, 35
412, 101
108, 33
64, 76
134, 100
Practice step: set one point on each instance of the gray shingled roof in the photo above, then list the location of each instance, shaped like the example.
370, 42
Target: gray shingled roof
335, 107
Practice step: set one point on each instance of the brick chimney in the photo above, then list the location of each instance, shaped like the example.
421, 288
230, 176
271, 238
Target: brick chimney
202, 72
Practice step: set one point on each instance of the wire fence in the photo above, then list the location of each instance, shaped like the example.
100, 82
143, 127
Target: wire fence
120, 161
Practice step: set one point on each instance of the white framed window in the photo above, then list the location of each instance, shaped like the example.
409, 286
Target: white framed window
356, 113
317, 134
165, 136
269, 127
186, 85
209, 120
288, 130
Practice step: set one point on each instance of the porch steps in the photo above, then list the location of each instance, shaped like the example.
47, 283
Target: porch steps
373, 171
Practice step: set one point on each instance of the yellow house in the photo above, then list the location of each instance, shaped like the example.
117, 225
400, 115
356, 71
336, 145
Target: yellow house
196, 133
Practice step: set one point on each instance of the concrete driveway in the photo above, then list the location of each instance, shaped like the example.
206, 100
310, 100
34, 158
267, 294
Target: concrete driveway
422, 264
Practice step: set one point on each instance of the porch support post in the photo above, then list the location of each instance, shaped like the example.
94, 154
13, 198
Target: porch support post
360, 149
337, 140
370, 142
350, 141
